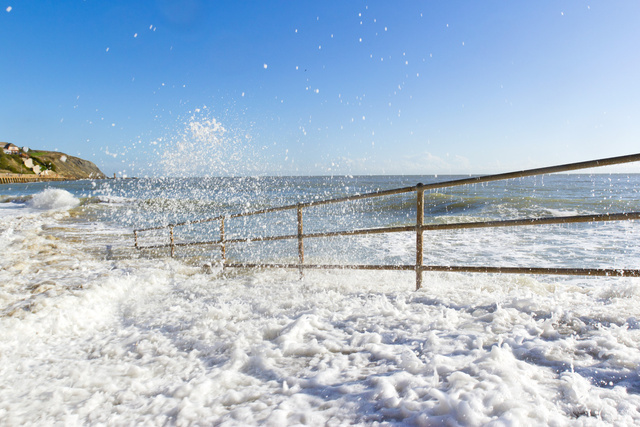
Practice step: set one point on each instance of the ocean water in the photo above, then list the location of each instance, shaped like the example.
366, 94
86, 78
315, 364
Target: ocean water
93, 331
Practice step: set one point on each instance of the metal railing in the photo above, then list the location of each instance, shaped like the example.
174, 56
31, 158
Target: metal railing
419, 228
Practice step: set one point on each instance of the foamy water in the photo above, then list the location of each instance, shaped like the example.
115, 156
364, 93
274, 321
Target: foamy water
97, 333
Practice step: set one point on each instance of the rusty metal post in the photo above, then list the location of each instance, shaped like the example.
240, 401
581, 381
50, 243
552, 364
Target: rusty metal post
223, 249
419, 236
173, 246
300, 242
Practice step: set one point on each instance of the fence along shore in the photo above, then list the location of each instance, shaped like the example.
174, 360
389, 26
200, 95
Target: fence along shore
419, 228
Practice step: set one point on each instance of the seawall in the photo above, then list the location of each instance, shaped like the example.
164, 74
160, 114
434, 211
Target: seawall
11, 178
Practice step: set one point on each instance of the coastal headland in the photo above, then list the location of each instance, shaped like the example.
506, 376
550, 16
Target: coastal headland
26, 165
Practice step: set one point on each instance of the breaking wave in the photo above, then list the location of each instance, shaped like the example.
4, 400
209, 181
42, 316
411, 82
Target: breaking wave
53, 199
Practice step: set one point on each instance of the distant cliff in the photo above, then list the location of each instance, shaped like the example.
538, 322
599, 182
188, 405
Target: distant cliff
51, 164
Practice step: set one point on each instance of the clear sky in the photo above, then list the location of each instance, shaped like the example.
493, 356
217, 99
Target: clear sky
321, 87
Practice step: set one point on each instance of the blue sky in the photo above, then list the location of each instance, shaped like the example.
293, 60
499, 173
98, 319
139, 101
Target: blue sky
324, 87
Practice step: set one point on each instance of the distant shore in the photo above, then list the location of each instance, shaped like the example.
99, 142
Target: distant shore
27, 165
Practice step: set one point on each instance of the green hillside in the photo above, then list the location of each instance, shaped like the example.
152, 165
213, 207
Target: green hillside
11, 163
60, 164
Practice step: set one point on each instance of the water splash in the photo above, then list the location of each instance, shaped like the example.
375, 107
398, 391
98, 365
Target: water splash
204, 147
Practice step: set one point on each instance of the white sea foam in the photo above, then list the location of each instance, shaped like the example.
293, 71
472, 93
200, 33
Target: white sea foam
89, 340
10, 209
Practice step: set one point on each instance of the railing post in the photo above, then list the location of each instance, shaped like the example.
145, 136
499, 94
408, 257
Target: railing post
300, 242
419, 237
222, 245
173, 247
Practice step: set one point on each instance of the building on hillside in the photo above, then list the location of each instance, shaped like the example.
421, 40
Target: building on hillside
11, 149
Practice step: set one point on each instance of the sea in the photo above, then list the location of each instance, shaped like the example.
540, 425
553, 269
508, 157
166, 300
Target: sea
94, 331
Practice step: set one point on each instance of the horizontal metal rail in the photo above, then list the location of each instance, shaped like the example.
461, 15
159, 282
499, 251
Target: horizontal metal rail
536, 221
427, 227
182, 244
323, 266
599, 272
596, 272
419, 228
